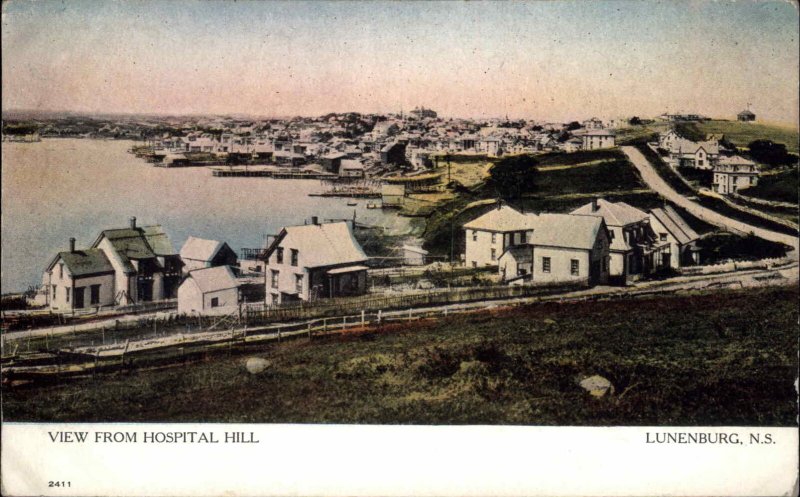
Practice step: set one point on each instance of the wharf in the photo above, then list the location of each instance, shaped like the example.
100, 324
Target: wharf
267, 172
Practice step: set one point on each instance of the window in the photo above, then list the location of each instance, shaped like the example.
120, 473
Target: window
298, 283
494, 254
275, 299
474, 263
60, 270
54, 292
474, 236
545, 264
279, 255
574, 267
67, 292
523, 237
294, 257
94, 294
663, 237
215, 302
700, 162
494, 237
274, 278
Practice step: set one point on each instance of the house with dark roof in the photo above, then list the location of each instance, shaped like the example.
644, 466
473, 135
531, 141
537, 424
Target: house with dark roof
680, 238
746, 116
146, 266
79, 279
312, 261
199, 253
632, 248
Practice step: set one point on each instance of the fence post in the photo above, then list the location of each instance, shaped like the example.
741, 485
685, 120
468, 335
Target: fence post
362, 318
279, 334
380, 313
409, 314
325, 325
309, 330
344, 322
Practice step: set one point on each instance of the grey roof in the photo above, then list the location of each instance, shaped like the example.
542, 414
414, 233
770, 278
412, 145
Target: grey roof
566, 230
614, 213
146, 242
200, 249
214, 279
320, 245
504, 218
675, 224
84, 262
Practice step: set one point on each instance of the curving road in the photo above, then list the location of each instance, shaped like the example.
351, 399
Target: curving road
654, 181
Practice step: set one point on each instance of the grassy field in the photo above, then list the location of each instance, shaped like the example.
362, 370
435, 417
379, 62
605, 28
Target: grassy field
715, 359
782, 186
741, 134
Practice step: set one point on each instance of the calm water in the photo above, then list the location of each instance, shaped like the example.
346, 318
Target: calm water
62, 188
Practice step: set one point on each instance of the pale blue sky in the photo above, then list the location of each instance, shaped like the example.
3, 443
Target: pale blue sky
549, 60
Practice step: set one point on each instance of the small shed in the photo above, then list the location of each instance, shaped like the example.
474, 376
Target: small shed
213, 290
199, 253
414, 256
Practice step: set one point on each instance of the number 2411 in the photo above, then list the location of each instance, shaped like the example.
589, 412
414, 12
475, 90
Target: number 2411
59, 484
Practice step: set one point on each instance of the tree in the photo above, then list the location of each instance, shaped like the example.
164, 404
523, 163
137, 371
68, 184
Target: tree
768, 152
513, 176
573, 126
634, 121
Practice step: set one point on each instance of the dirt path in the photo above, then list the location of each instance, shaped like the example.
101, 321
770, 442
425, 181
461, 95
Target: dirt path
654, 181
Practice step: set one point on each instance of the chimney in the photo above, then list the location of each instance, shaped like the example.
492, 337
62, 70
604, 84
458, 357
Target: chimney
594, 204
133, 223
72, 245
314, 220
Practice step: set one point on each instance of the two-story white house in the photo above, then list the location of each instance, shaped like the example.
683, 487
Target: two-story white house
143, 267
312, 261
488, 236
79, 279
542, 248
734, 173
594, 139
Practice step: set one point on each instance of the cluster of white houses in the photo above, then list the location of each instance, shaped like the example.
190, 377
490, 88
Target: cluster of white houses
731, 173
598, 243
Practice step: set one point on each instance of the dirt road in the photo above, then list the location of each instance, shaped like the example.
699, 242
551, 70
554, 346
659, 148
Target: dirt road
654, 181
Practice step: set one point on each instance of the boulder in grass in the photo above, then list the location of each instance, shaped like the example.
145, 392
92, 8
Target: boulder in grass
257, 365
550, 322
597, 386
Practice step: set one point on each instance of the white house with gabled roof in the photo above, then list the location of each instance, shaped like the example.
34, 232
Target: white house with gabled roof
313, 261
539, 247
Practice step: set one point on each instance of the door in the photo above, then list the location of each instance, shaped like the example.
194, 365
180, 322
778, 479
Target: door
79, 292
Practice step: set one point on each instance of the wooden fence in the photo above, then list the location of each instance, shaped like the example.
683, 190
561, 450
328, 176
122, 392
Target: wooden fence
260, 313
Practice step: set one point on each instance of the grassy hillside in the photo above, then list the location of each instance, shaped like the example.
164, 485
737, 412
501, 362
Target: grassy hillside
741, 134
712, 359
584, 174
782, 186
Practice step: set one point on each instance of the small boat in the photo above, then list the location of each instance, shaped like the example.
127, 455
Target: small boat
372, 205
352, 203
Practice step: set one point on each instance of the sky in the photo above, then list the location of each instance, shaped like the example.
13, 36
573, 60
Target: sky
549, 60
